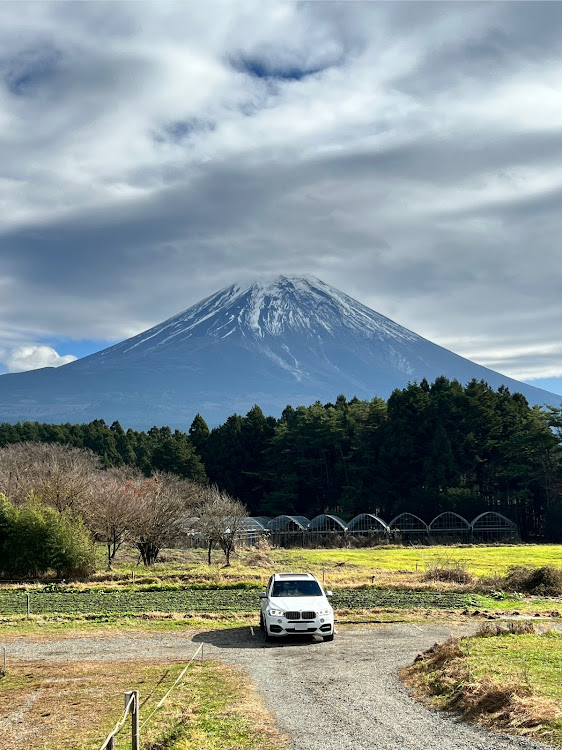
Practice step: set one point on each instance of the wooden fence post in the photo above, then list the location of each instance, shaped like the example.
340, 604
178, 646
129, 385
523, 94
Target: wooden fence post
135, 735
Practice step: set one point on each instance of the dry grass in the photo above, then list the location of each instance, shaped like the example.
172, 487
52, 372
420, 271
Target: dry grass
449, 573
457, 675
260, 556
543, 581
43, 704
74, 705
510, 627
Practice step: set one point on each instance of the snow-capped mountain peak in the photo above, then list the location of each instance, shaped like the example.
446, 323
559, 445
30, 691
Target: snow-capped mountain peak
287, 340
273, 308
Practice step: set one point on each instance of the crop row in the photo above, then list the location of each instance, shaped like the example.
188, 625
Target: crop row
208, 600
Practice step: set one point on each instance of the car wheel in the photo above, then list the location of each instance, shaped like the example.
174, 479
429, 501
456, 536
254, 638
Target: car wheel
262, 624
269, 638
328, 637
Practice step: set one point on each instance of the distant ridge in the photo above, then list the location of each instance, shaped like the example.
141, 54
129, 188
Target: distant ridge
292, 340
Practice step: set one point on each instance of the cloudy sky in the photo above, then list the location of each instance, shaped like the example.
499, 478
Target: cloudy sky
410, 154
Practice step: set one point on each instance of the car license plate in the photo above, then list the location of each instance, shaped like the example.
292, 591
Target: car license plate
301, 626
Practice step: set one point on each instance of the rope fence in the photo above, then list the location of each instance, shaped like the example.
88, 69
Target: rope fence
132, 708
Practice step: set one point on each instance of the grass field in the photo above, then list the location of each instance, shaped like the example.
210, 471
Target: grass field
339, 567
480, 560
75, 706
391, 565
511, 681
374, 580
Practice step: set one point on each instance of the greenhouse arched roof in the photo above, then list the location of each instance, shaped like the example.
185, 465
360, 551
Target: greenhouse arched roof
327, 522
449, 521
408, 522
288, 523
491, 520
367, 522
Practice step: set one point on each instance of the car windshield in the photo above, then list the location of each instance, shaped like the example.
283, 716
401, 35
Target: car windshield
296, 588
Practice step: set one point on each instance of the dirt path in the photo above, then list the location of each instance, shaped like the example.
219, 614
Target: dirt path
326, 696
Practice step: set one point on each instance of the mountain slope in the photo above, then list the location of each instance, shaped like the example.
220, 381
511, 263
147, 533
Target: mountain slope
291, 341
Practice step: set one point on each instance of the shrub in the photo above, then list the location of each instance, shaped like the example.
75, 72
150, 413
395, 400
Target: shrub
36, 538
448, 574
545, 581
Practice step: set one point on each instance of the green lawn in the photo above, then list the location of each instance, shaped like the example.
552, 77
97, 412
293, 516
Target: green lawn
480, 560
510, 681
339, 567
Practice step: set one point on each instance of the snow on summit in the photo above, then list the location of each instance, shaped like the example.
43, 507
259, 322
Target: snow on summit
283, 305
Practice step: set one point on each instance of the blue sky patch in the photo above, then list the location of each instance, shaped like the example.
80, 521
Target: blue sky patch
31, 68
258, 66
178, 130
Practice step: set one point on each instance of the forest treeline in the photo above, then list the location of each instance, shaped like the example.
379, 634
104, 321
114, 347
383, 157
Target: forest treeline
428, 449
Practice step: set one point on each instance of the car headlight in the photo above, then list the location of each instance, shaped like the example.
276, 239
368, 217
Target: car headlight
276, 612
325, 611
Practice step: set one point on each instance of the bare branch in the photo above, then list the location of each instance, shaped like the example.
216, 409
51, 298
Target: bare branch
219, 520
59, 474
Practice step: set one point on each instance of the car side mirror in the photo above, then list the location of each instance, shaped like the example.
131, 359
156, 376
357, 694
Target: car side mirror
263, 595
329, 593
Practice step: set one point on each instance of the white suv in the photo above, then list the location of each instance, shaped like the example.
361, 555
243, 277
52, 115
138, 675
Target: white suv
295, 604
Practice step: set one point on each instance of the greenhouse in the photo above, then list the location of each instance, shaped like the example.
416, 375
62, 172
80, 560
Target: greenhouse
449, 527
288, 531
327, 524
493, 527
407, 527
368, 525
330, 530
252, 529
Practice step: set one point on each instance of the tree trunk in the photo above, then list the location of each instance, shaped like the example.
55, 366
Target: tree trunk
148, 551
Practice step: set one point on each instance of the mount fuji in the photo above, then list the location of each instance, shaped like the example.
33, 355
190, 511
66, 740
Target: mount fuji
293, 341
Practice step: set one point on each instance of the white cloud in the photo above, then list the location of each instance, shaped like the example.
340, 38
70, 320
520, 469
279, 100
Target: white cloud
406, 153
34, 356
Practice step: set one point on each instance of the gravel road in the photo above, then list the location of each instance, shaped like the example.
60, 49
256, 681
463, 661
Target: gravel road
326, 696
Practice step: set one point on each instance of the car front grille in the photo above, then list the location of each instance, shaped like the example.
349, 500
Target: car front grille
300, 615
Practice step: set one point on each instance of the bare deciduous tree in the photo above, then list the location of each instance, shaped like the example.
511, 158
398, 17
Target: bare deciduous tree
220, 519
109, 508
161, 504
59, 474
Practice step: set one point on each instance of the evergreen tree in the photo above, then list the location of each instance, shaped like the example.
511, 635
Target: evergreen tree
174, 454
199, 436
